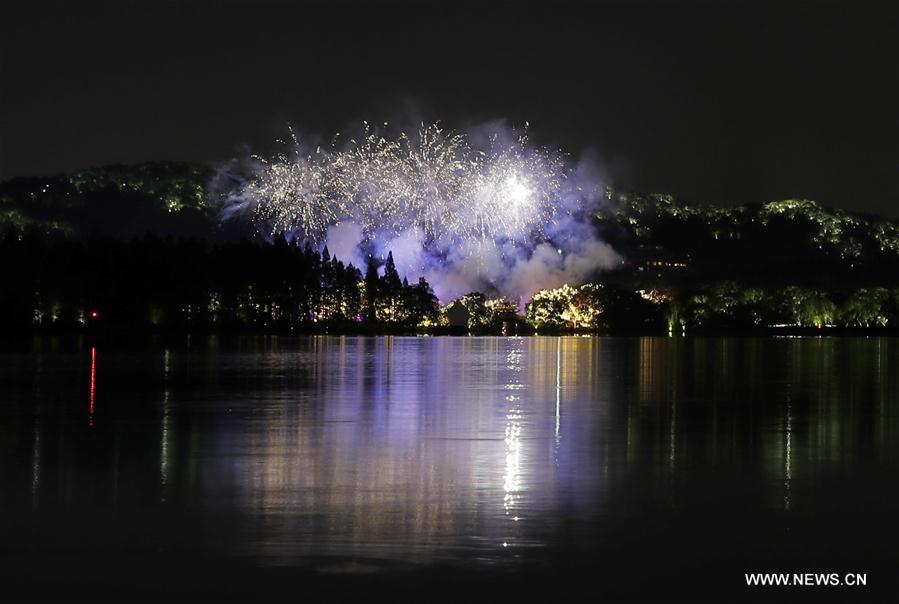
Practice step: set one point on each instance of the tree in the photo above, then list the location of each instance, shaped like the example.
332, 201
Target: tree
478, 315
548, 308
422, 304
352, 294
866, 307
501, 310
391, 277
372, 291
391, 293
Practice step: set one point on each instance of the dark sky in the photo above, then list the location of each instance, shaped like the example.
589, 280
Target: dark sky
720, 102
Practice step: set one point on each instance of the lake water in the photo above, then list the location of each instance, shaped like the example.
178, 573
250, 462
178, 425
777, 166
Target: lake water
446, 468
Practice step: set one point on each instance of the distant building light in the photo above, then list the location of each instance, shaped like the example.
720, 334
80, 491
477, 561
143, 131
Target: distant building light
95, 314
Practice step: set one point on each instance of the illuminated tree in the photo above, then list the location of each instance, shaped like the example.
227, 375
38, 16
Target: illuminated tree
585, 306
805, 307
389, 301
372, 291
478, 315
422, 304
549, 308
500, 310
865, 308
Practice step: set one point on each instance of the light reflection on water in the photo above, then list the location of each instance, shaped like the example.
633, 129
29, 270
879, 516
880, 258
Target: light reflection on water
476, 451
407, 448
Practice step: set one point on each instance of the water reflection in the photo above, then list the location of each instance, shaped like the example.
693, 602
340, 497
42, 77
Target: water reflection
479, 451
558, 390
93, 389
511, 477
36, 462
166, 426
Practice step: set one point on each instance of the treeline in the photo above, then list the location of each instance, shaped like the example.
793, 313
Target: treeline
673, 243
723, 306
168, 283
478, 314
687, 267
693, 267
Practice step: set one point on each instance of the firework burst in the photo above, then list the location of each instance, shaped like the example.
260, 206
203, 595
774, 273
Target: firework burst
434, 181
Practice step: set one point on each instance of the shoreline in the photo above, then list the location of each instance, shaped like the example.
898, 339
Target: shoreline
127, 333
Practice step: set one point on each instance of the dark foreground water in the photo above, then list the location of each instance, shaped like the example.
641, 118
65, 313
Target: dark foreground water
447, 469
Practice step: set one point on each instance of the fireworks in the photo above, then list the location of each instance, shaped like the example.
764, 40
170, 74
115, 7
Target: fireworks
434, 182
480, 212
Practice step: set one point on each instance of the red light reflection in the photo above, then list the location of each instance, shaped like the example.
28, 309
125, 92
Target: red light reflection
93, 382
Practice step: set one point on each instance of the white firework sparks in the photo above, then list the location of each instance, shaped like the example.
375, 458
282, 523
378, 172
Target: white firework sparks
434, 181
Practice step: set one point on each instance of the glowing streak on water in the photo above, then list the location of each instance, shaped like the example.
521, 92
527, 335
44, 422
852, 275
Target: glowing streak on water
164, 445
558, 386
788, 461
512, 471
36, 462
93, 391
672, 434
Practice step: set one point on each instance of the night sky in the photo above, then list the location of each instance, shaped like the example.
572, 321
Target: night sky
750, 101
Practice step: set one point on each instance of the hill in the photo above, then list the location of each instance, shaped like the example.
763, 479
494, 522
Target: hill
166, 198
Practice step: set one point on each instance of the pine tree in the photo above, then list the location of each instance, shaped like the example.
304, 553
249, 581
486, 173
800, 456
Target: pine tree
327, 309
391, 277
392, 289
352, 296
314, 285
372, 291
426, 304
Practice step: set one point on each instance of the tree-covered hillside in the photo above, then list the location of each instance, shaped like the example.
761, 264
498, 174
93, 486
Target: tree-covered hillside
782, 264
686, 266
168, 198
780, 242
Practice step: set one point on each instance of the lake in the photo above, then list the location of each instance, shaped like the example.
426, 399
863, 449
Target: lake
440, 468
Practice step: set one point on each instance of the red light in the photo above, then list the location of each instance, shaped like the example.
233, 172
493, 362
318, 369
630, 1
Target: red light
95, 314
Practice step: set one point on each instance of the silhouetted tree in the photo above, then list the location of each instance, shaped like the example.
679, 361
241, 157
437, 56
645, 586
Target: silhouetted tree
372, 291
